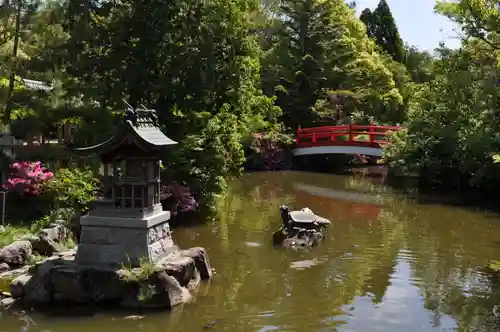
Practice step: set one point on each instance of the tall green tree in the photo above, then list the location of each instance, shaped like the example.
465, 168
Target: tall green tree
419, 64
196, 62
39, 44
303, 73
323, 48
381, 26
453, 126
478, 18
368, 19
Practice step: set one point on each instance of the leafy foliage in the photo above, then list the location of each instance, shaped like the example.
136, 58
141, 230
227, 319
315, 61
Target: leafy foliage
200, 67
72, 189
478, 19
419, 64
453, 127
219, 72
323, 51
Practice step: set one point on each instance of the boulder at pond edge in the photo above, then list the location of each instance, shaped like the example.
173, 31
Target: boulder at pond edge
164, 284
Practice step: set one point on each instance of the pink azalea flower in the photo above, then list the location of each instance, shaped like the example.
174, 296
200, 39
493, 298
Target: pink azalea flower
27, 178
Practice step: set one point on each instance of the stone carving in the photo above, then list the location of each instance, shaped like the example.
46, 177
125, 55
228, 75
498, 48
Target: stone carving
158, 232
300, 228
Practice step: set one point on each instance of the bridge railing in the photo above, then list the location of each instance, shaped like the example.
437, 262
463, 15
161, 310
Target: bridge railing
370, 135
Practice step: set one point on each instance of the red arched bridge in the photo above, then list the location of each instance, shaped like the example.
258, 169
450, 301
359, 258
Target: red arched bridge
343, 139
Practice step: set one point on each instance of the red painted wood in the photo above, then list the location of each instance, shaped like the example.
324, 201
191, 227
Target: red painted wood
344, 135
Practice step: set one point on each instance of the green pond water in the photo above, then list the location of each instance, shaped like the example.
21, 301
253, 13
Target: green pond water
389, 263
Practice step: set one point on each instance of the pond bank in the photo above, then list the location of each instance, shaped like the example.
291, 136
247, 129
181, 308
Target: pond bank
21, 250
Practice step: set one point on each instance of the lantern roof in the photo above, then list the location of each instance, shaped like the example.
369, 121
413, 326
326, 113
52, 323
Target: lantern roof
140, 128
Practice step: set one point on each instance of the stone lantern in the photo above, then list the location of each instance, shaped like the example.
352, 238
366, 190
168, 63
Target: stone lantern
126, 226
128, 223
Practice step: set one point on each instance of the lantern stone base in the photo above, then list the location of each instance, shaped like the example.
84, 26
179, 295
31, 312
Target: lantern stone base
60, 280
112, 241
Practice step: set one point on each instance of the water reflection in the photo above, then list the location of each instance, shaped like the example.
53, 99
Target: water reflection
388, 264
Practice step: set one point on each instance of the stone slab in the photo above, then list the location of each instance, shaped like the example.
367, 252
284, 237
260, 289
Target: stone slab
115, 246
147, 222
127, 235
104, 211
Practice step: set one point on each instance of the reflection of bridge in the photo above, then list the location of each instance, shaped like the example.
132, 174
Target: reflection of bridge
353, 196
345, 139
366, 204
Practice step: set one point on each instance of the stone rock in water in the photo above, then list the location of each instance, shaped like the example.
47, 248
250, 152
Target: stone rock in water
4, 267
35, 287
6, 303
60, 278
306, 216
170, 291
16, 253
201, 261
166, 290
181, 268
301, 229
9, 275
68, 283
18, 285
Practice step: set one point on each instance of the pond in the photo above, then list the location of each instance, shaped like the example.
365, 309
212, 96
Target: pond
389, 263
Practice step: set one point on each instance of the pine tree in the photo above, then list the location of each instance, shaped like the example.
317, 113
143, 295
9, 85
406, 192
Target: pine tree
304, 81
324, 50
381, 26
367, 18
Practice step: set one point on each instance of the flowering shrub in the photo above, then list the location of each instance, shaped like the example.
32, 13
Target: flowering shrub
27, 178
268, 152
178, 197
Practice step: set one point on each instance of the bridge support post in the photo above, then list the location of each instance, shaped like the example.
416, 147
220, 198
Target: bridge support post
372, 130
297, 137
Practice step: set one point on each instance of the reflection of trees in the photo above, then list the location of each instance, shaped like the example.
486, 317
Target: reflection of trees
446, 247
391, 237
254, 286
249, 213
450, 255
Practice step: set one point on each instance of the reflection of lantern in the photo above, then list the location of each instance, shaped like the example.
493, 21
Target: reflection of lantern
120, 223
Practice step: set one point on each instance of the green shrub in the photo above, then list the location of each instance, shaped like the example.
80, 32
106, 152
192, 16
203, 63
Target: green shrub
11, 234
72, 189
